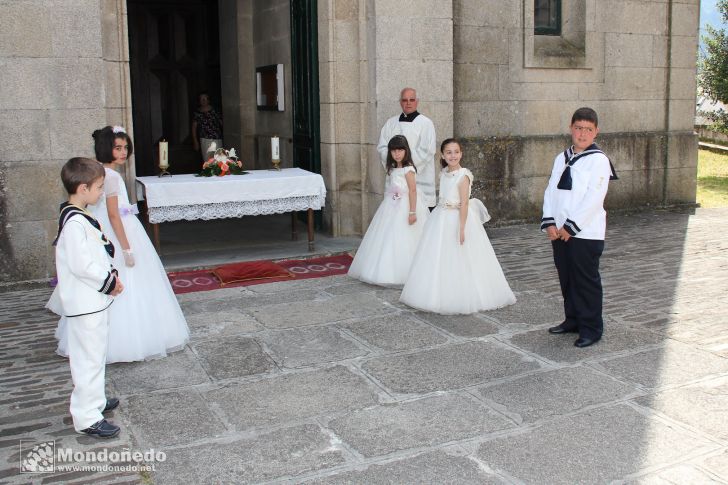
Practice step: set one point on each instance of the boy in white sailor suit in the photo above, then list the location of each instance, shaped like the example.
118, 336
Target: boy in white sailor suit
87, 283
420, 133
575, 221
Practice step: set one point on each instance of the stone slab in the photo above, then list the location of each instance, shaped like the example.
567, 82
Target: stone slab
395, 332
67, 126
36, 180
27, 242
171, 418
381, 430
718, 465
26, 136
300, 347
233, 356
534, 308
76, 31
17, 21
17, 92
292, 397
205, 297
245, 301
281, 453
677, 475
176, 370
303, 313
672, 364
350, 286
461, 325
225, 323
612, 443
391, 296
288, 286
437, 467
546, 394
702, 326
560, 348
703, 405
448, 367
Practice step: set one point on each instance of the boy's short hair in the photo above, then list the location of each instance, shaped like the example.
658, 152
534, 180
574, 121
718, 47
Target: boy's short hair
585, 114
79, 170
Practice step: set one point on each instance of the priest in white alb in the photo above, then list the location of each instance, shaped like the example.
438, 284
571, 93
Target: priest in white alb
420, 134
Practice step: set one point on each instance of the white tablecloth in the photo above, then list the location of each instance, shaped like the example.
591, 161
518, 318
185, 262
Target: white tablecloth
186, 197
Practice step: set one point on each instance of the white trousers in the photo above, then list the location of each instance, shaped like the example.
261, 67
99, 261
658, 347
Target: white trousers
87, 343
205, 147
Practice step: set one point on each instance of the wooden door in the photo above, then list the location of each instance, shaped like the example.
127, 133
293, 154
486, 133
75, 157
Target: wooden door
174, 54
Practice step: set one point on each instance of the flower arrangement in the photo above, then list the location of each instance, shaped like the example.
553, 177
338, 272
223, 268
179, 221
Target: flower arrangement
222, 162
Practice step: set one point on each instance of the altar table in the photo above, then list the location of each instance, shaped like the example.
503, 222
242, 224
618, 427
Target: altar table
259, 192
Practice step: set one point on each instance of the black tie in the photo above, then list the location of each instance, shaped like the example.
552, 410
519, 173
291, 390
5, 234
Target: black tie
570, 158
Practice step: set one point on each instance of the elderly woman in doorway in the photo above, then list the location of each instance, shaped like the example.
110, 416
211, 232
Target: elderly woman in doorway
206, 126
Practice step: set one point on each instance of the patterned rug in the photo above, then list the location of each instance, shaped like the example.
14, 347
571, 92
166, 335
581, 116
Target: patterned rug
257, 272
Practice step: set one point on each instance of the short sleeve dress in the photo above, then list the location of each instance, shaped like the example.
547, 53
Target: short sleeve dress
447, 277
385, 254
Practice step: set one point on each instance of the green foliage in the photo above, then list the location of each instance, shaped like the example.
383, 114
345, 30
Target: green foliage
713, 69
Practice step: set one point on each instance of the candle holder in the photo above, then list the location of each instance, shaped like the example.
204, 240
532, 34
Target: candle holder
163, 158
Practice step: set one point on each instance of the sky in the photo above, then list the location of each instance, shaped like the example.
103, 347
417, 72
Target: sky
709, 15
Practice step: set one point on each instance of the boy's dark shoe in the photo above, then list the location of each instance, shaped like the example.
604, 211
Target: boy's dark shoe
101, 429
585, 342
111, 404
558, 330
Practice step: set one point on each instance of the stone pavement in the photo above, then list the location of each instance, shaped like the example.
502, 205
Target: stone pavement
331, 381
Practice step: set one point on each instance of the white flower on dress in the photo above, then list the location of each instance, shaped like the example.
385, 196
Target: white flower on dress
394, 192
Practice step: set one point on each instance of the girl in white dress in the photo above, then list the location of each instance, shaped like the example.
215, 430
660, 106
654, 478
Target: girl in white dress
145, 322
455, 270
385, 254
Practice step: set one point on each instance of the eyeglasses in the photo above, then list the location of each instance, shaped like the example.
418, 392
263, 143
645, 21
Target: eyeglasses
411, 100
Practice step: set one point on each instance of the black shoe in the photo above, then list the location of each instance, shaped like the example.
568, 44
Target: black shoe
558, 329
585, 342
111, 404
101, 429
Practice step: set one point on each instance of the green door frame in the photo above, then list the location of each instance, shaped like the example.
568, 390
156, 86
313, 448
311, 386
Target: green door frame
305, 90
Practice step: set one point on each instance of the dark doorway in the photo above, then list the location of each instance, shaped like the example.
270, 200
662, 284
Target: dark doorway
174, 54
304, 62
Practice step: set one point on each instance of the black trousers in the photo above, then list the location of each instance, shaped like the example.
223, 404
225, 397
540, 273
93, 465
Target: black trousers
577, 262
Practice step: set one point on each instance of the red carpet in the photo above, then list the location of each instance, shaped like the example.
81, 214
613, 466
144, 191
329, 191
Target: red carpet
257, 272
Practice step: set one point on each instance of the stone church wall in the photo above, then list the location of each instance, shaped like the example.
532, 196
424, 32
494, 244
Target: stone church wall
60, 79
481, 74
634, 63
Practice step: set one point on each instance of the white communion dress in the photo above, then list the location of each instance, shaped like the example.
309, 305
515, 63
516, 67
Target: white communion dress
145, 320
447, 277
385, 254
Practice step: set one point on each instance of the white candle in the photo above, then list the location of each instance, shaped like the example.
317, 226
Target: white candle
163, 154
275, 149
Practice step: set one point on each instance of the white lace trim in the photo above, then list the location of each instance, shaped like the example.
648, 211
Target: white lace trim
234, 209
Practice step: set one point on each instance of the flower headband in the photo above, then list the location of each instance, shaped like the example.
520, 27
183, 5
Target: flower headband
118, 129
